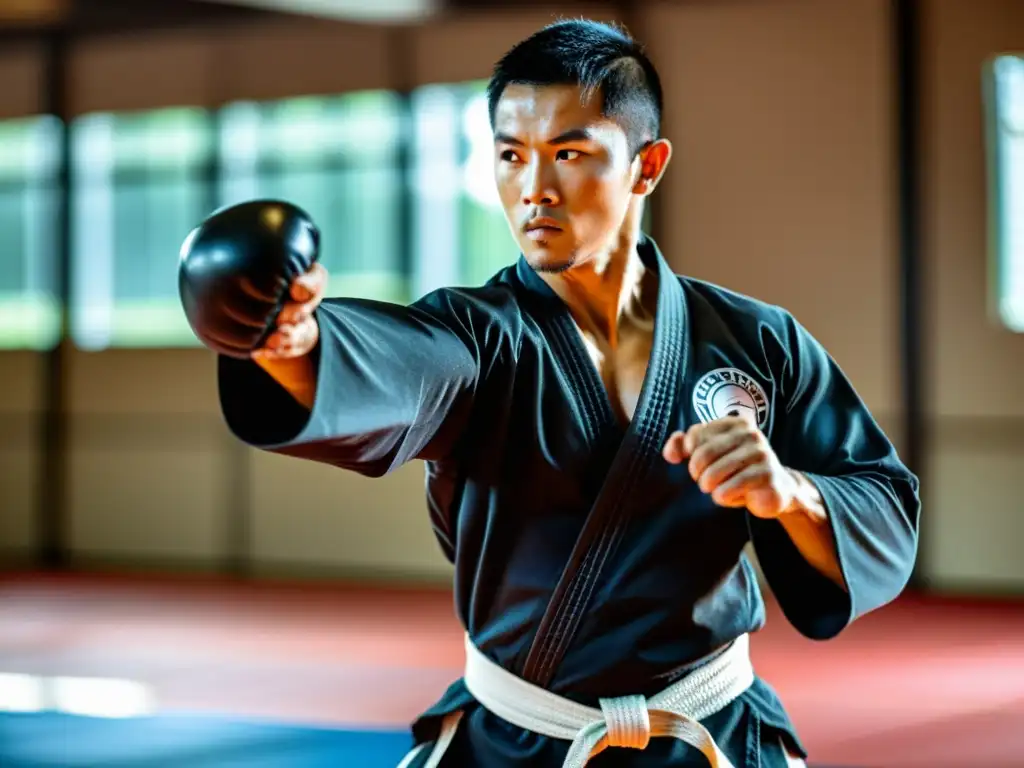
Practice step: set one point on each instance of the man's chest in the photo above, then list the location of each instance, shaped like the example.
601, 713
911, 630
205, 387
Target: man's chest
622, 368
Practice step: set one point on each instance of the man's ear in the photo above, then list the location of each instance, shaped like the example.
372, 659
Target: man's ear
654, 159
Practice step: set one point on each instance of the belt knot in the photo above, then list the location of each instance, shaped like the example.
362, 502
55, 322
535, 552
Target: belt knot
628, 721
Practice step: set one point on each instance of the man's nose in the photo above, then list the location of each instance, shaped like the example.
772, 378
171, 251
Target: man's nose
539, 189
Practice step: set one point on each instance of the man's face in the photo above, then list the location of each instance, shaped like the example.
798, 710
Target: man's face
564, 173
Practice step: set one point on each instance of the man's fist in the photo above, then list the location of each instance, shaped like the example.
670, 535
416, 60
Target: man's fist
238, 269
731, 459
296, 332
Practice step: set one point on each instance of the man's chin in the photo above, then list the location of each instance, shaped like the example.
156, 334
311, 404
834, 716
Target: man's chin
549, 263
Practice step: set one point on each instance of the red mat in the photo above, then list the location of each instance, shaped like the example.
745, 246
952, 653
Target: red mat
924, 682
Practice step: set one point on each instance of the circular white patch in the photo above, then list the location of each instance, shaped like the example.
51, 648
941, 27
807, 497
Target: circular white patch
730, 392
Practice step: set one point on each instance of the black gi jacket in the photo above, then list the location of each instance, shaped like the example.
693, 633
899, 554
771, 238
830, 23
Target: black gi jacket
583, 561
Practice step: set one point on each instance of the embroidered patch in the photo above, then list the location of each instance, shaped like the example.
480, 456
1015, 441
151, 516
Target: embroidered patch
729, 392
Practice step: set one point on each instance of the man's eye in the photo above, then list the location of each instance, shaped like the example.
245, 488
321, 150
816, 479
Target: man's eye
509, 156
567, 154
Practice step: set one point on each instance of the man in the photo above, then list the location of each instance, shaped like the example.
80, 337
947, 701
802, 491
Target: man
602, 439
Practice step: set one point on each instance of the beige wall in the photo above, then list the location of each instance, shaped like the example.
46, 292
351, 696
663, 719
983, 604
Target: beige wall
782, 186
19, 454
782, 183
22, 73
975, 519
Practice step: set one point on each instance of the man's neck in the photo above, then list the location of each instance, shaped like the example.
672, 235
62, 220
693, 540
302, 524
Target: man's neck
607, 288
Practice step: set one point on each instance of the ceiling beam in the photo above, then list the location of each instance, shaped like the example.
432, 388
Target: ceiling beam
90, 17
365, 11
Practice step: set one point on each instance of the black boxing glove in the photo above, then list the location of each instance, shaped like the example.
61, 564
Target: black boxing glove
237, 268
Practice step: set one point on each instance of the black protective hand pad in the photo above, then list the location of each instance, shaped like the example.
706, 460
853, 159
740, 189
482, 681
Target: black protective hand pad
236, 270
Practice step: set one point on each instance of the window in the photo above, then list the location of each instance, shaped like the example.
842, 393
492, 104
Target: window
340, 159
461, 236
1005, 107
140, 183
29, 195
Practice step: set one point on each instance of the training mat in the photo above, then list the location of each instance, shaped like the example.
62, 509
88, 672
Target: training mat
52, 740
45, 740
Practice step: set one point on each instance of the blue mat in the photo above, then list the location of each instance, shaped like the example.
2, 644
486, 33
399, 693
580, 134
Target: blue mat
69, 741
65, 741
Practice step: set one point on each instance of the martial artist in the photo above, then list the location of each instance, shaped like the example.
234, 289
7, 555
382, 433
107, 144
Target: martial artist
602, 438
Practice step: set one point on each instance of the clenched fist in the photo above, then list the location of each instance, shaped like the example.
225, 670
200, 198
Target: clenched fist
731, 459
296, 332
240, 267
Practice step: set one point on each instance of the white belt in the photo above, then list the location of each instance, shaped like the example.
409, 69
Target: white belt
627, 721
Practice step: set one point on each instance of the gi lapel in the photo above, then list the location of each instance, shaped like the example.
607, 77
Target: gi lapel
637, 453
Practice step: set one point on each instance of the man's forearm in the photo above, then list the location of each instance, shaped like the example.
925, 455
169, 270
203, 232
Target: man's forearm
296, 374
806, 522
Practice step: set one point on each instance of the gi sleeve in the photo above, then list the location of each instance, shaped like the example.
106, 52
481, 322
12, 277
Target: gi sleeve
825, 431
394, 383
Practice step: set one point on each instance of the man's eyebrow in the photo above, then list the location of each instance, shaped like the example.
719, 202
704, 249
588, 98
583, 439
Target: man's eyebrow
504, 138
573, 134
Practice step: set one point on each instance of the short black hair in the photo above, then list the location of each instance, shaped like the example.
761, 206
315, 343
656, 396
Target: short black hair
598, 57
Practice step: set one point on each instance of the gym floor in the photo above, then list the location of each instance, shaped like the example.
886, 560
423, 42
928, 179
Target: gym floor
924, 682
